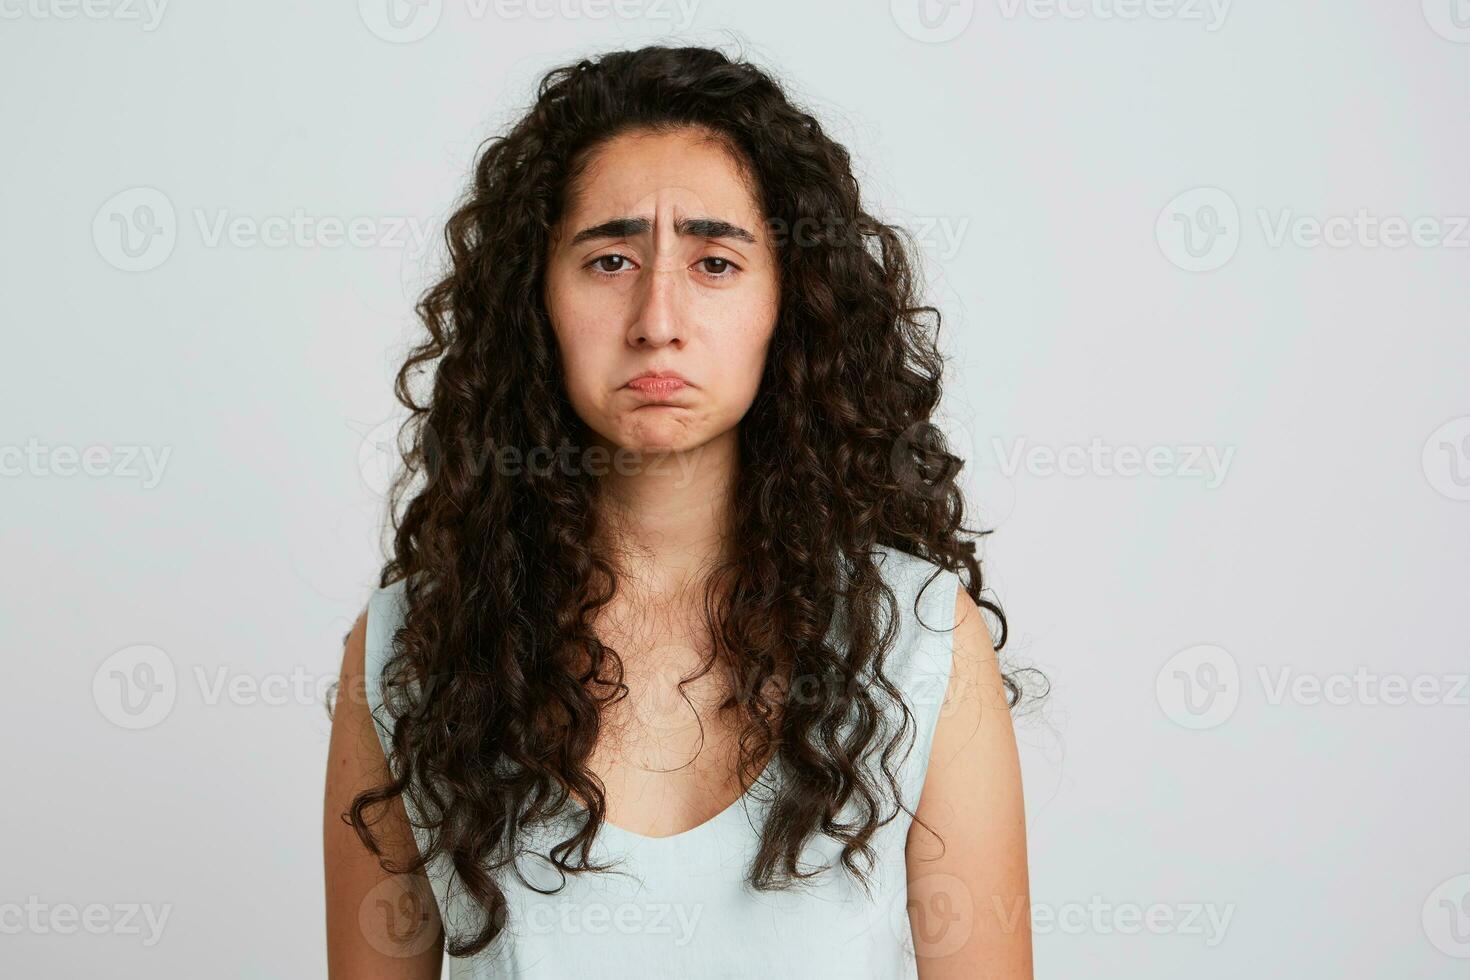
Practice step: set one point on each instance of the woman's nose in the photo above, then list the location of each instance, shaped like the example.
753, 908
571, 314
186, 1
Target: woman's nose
658, 318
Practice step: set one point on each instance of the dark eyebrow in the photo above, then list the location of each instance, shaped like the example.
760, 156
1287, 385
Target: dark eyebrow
697, 227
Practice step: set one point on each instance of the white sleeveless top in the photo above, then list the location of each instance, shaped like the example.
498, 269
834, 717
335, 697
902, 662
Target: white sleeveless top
678, 906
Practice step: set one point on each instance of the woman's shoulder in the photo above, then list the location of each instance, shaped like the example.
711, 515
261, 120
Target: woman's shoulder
925, 589
926, 593
920, 661
385, 611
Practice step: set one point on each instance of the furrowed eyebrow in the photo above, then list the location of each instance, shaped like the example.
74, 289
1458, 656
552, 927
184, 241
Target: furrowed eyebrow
696, 227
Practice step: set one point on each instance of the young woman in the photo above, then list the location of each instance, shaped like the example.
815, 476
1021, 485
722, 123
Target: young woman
673, 671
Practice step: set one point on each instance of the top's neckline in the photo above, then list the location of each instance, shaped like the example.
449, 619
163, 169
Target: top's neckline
740, 802
668, 839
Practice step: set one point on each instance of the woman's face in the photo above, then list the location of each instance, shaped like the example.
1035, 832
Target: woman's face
662, 263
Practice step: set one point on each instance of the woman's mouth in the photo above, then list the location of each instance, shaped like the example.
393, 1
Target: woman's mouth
657, 387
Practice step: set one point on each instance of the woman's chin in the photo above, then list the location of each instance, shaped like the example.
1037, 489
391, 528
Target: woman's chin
656, 446
660, 429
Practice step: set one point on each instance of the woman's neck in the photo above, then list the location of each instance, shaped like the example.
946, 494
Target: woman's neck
665, 520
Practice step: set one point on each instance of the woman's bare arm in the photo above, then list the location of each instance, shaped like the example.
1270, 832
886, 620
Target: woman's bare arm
969, 898
379, 926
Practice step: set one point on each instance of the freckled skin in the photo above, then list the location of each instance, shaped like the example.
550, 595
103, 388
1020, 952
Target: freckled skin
705, 308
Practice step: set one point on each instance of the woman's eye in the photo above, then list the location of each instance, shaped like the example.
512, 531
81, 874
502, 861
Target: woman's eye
720, 269
598, 264
612, 264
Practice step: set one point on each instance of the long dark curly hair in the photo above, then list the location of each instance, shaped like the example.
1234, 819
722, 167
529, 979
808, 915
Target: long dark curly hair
491, 672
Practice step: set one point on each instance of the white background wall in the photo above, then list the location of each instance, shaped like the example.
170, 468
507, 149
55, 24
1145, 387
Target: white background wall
1117, 202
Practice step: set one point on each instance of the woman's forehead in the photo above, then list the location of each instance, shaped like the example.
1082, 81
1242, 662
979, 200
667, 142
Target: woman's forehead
660, 177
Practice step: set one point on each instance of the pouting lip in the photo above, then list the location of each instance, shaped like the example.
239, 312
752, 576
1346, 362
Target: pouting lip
672, 375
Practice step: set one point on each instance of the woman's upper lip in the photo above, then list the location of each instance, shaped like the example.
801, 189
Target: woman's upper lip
675, 375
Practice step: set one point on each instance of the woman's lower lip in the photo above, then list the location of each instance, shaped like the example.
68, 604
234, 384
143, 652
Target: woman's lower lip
656, 386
